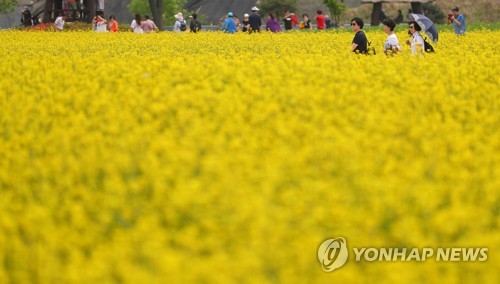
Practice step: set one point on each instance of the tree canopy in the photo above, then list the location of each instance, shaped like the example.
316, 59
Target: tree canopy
7, 6
159, 9
277, 7
336, 8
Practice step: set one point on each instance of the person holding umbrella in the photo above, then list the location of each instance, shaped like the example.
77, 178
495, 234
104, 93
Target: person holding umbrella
426, 25
417, 42
458, 21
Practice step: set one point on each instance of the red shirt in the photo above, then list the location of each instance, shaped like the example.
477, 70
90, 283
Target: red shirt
320, 21
294, 20
114, 27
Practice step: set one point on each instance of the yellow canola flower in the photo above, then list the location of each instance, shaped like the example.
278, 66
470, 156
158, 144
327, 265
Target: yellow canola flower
230, 158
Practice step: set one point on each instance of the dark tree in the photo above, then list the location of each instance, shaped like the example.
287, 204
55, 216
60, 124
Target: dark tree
157, 11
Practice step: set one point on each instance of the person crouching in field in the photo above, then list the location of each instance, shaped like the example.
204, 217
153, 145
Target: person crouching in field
59, 23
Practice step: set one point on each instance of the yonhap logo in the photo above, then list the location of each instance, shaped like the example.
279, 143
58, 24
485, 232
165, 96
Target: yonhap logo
333, 254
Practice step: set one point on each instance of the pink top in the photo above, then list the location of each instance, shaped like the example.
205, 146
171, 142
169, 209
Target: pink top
148, 26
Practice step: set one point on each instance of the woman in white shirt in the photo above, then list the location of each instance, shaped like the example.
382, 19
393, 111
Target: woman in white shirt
392, 42
99, 23
136, 25
417, 43
59, 23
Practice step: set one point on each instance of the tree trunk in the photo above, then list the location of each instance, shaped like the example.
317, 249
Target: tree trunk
92, 9
377, 10
47, 14
157, 11
417, 7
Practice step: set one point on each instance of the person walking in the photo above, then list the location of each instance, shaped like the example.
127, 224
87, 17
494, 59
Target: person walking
147, 25
255, 21
272, 25
229, 25
391, 45
359, 43
26, 17
287, 19
195, 25
245, 25
417, 42
180, 25
135, 26
320, 20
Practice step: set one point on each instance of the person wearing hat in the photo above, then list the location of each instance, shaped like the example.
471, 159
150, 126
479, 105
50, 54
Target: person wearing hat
255, 21
328, 22
195, 25
229, 25
245, 25
457, 20
180, 24
26, 16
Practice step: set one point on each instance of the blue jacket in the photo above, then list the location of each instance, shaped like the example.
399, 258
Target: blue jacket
229, 26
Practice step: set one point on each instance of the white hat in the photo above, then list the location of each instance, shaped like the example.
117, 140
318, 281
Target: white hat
178, 16
255, 8
246, 15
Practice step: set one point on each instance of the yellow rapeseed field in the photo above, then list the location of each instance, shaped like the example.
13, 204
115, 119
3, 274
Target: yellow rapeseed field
216, 158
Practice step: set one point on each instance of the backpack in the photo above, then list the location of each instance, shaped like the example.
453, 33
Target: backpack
370, 50
183, 25
427, 46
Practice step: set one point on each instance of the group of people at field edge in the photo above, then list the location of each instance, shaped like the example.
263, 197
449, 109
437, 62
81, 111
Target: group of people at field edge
391, 45
142, 26
253, 23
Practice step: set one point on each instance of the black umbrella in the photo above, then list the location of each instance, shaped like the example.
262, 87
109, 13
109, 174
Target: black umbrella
427, 26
